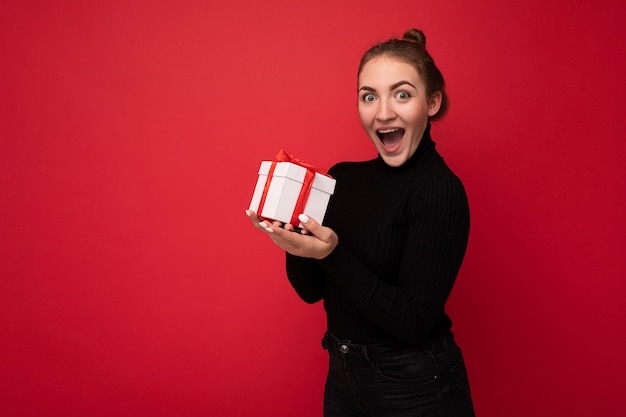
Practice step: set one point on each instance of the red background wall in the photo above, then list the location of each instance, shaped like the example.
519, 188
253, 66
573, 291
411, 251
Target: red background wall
130, 135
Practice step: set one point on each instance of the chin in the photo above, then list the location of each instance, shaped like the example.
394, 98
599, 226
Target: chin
394, 161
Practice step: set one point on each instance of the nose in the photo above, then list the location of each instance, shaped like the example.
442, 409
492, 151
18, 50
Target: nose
385, 111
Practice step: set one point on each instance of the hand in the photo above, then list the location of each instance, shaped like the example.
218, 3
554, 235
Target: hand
314, 241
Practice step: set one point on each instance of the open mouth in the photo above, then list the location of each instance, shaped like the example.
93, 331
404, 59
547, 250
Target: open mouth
390, 138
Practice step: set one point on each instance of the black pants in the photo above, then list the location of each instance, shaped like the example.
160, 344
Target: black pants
398, 381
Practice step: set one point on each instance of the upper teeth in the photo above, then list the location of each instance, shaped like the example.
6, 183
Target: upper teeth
387, 130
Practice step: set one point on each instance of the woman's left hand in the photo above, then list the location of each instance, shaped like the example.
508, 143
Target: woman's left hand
315, 241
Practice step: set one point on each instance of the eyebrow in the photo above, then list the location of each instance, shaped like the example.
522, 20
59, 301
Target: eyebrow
393, 86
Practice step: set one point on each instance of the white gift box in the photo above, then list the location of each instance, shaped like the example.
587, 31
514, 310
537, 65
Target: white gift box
285, 186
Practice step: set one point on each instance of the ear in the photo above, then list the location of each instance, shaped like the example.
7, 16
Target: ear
434, 104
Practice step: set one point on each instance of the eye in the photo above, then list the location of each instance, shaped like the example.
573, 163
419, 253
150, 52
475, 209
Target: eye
403, 95
368, 98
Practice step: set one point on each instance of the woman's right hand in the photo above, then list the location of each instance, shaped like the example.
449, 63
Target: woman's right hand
314, 241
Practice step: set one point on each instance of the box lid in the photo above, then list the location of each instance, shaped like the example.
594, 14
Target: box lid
264, 169
290, 170
324, 183
297, 173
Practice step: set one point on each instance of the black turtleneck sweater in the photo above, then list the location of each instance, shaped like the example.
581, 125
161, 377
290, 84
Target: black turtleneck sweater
402, 233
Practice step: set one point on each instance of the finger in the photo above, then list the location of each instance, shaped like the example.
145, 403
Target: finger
325, 234
254, 218
307, 221
294, 243
311, 225
279, 234
271, 226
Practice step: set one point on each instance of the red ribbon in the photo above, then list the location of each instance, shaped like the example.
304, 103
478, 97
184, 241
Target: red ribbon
283, 156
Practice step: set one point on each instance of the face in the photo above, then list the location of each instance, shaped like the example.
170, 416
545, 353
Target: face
394, 108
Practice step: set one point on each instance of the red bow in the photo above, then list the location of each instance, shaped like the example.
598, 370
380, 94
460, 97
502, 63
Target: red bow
283, 156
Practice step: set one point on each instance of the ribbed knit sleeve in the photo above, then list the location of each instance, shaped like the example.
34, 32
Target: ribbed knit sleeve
306, 277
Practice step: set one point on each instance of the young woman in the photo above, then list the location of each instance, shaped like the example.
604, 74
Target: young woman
389, 252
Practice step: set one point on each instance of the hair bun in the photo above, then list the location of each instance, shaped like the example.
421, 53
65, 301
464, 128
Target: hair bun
415, 35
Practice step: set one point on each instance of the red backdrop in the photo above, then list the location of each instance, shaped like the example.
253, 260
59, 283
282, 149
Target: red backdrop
130, 135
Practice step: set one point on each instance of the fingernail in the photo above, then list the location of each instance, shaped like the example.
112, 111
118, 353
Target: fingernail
263, 225
303, 218
248, 213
